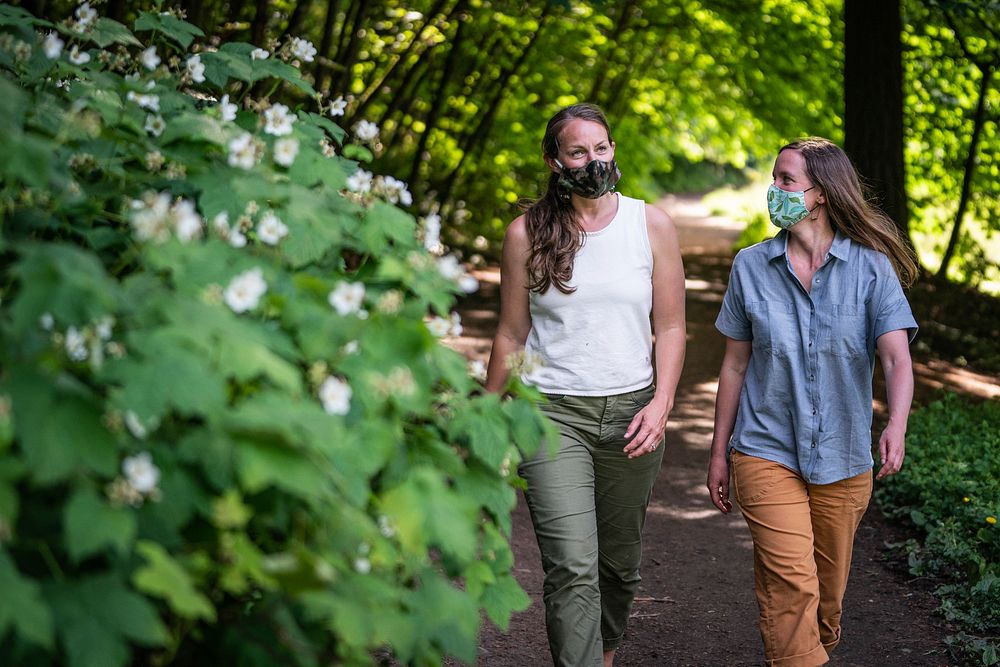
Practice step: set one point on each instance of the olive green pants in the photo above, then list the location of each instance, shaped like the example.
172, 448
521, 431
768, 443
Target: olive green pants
588, 506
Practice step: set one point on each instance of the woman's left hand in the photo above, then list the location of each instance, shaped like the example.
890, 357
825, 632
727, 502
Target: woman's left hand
646, 428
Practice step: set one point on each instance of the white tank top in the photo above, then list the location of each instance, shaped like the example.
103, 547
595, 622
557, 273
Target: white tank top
597, 341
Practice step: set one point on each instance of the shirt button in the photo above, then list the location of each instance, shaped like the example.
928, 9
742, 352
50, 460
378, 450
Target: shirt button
810, 343
814, 411
814, 445
812, 377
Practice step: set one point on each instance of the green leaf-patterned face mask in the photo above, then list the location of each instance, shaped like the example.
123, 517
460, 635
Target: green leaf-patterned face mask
786, 207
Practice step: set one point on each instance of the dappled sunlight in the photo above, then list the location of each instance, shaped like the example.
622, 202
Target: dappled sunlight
942, 375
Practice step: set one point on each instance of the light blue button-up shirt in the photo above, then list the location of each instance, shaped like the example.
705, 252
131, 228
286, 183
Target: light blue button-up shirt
806, 401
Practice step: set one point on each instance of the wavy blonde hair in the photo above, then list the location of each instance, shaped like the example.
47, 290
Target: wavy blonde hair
848, 209
554, 232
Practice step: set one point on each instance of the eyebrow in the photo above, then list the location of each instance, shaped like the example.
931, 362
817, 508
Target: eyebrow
602, 142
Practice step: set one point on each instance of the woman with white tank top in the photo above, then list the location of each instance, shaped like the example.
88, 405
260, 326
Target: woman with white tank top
588, 277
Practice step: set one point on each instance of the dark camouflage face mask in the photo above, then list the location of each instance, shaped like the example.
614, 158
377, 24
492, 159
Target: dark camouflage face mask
591, 181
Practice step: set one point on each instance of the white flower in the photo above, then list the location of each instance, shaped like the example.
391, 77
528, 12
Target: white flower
242, 151
259, 54
439, 326
134, 425
285, 151
303, 49
187, 222
245, 290
141, 473
228, 109
351, 347
338, 106
149, 59
155, 124
52, 46
220, 223
394, 190
362, 565
46, 321
386, 527
85, 15
271, 229
432, 233
237, 239
76, 344
449, 267
477, 369
150, 217
468, 284
104, 326
278, 121
456, 325
347, 298
335, 394
360, 181
365, 130
196, 69
144, 100
78, 57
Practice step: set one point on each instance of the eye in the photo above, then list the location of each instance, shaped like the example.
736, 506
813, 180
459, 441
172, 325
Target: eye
602, 149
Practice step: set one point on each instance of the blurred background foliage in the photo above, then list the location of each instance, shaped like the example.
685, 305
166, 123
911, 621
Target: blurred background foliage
700, 93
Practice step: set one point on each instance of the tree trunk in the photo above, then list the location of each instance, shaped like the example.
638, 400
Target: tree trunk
970, 166
434, 113
873, 101
258, 29
326, 41
295, 20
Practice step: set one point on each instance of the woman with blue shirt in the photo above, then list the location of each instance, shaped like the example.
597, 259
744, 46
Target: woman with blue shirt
803, 316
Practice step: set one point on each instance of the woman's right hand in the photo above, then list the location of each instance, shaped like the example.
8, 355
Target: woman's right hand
718, 483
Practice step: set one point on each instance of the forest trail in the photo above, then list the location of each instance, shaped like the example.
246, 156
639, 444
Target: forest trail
696, 605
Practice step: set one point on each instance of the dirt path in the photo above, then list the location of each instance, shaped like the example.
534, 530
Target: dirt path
696, 605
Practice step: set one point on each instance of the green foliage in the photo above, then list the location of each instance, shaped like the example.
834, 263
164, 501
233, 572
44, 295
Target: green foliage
949, 490
228, 432
948, 46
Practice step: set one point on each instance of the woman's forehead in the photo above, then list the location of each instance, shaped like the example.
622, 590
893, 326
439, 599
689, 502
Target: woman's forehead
582, 132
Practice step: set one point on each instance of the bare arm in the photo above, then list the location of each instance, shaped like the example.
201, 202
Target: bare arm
670, 328
515, 318
727, 402
894, 351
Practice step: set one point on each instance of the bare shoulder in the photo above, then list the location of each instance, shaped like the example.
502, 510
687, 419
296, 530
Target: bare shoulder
660, 225
516, 236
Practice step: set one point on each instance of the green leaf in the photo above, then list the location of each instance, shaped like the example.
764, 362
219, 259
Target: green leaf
59, 426
67, 282
174, 378
262, 464
97, 616
107, 31
22, 607
180, 31
485, 428
164, 577
337, 132
194, 126
503, 598
90, 525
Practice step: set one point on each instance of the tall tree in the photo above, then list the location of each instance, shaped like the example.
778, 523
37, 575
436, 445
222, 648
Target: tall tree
873, 101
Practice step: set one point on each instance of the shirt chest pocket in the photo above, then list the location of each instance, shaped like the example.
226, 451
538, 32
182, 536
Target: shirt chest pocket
773, 326
846, 331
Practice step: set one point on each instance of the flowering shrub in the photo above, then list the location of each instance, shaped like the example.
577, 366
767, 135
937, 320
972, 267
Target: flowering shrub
229, 433
949, 489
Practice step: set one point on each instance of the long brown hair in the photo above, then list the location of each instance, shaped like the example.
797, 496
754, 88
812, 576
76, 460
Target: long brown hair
554, 231
829, 168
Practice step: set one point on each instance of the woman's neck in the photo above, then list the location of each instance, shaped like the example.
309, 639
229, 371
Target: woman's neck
595, 214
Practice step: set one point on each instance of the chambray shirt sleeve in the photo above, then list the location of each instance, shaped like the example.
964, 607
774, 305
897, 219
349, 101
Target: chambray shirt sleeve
732, 321
892, 310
